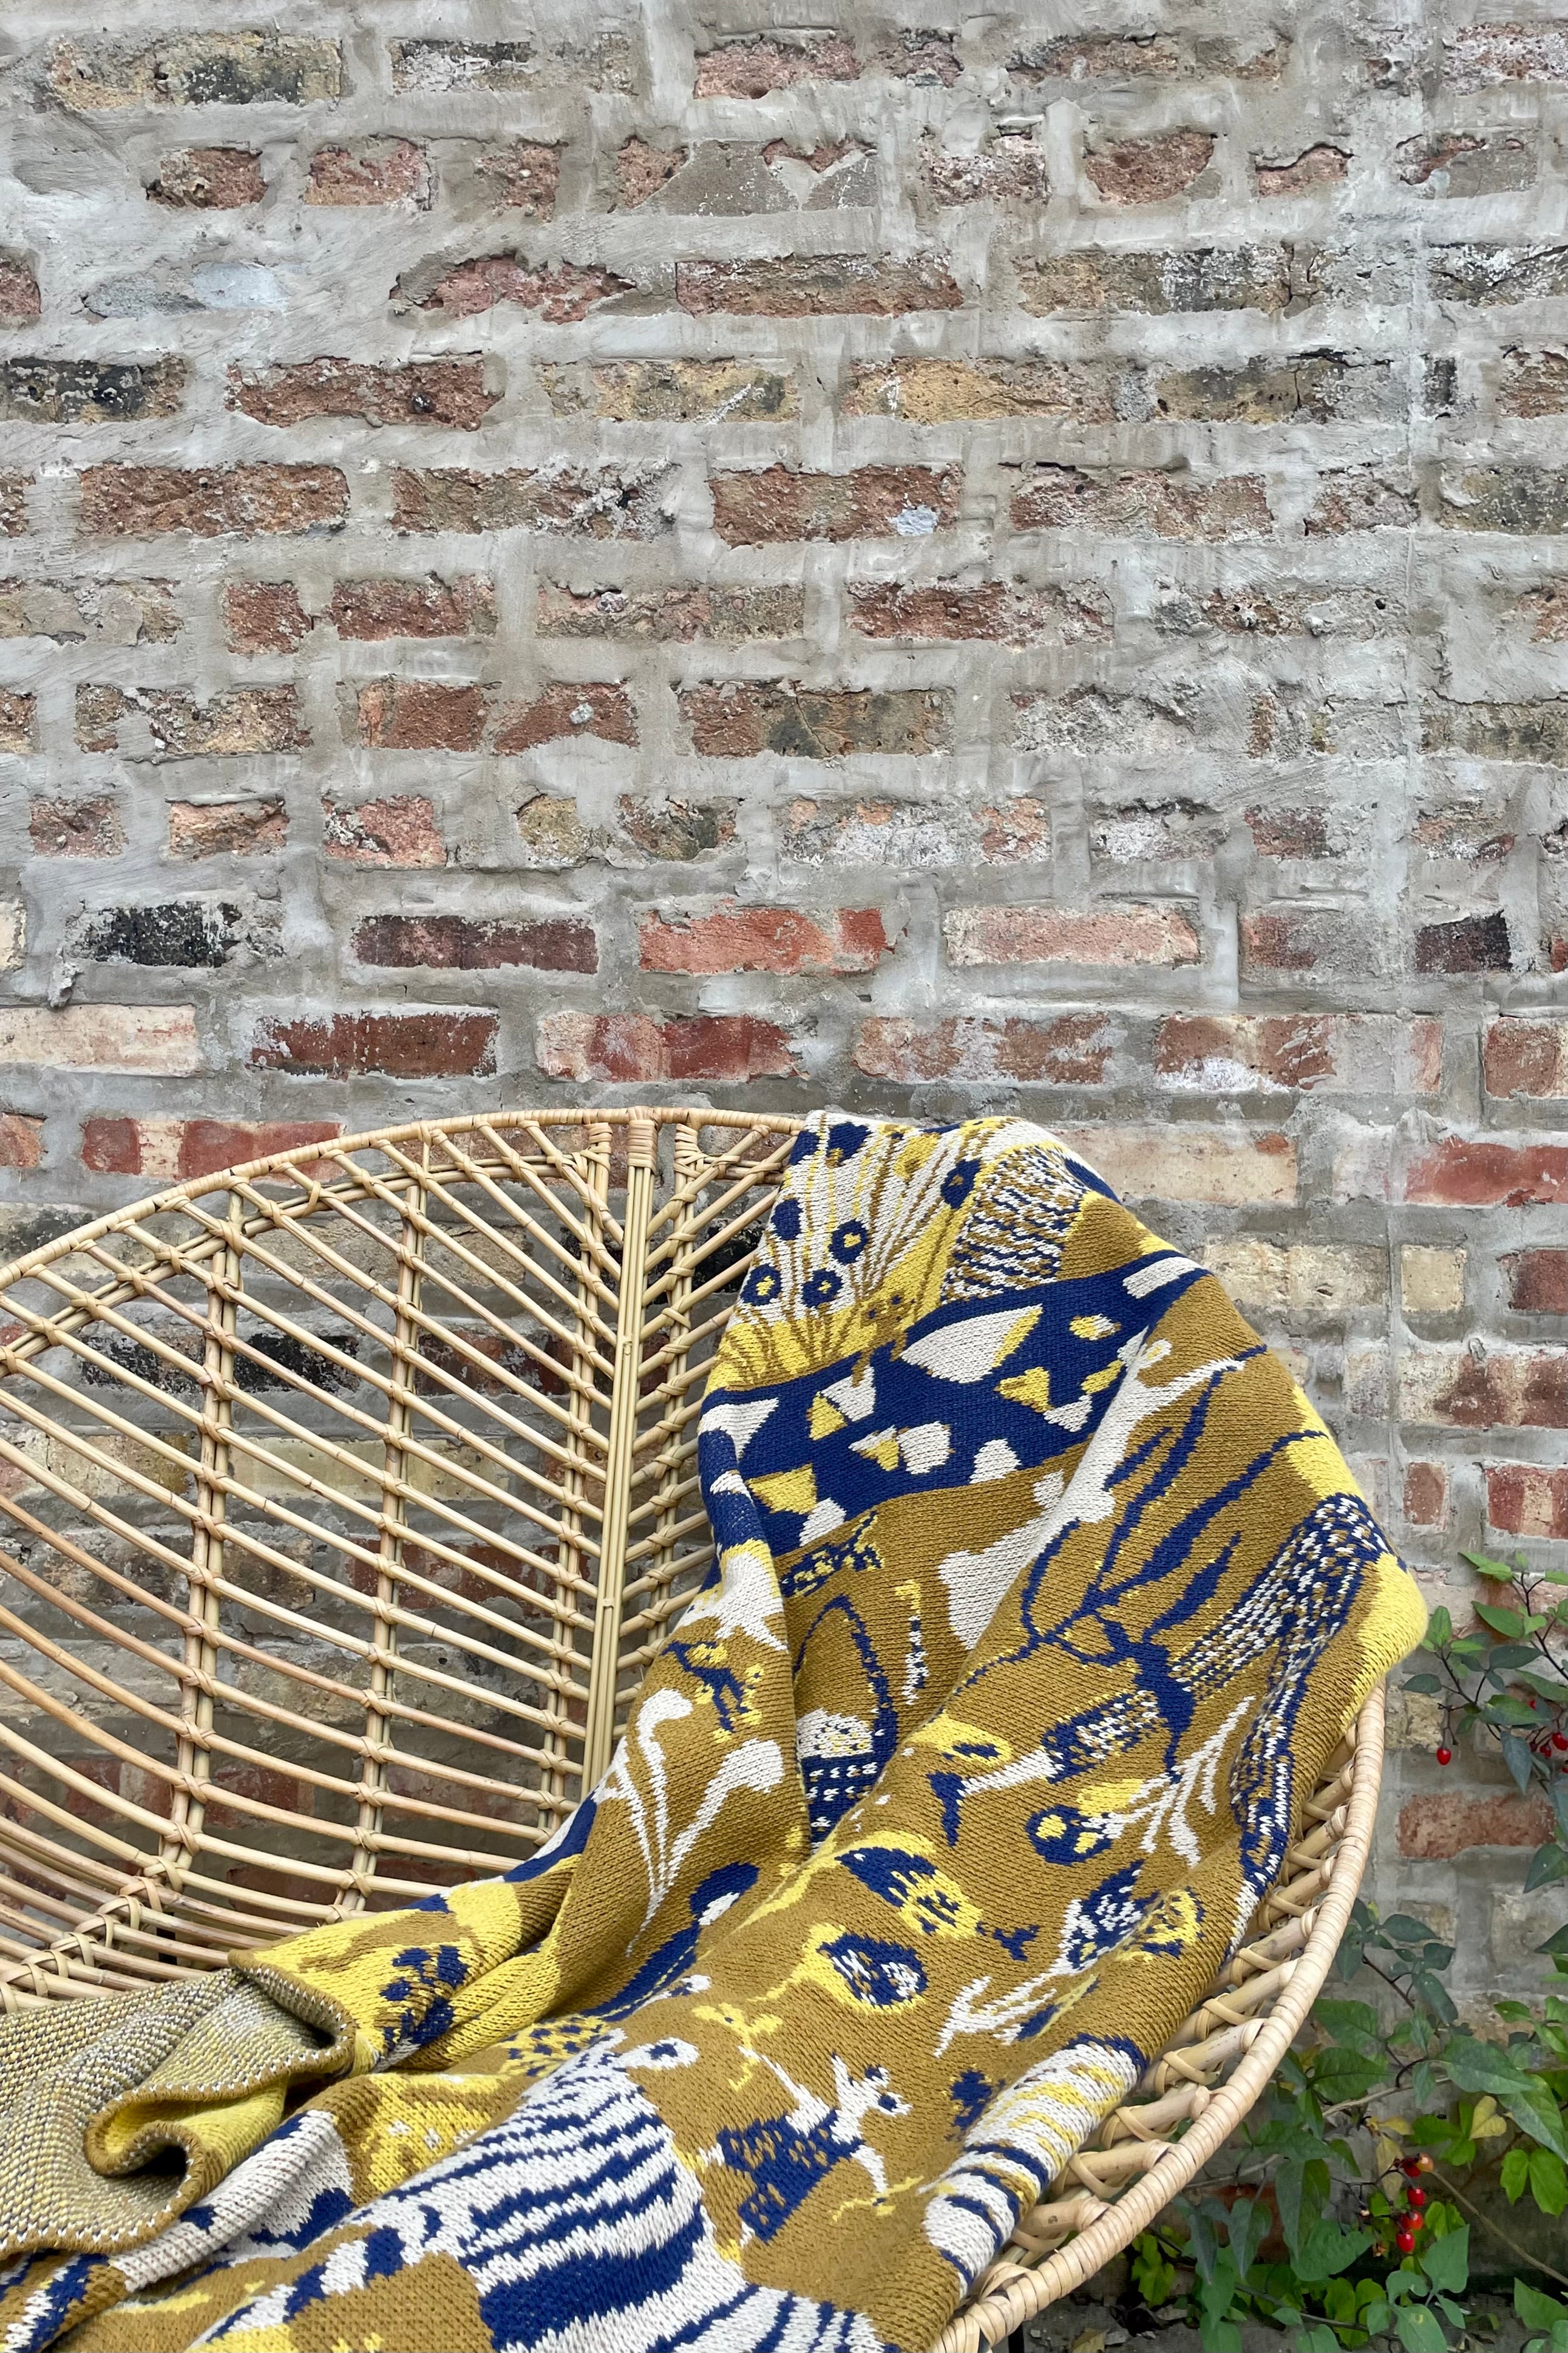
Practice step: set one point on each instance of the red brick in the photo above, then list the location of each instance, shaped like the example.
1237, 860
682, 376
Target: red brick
736, 938
138, 501
442, 1044
1329, 942
670, 616
1505, 1388
178, 1149
1143, 499
457, 943
369, 611
1071, 1051
1010, 170
875, 502
525, 177
76, 828
448, 392
738, 719
1537, 1281
227, 828
608, 502
1100, 936
239, 721
20, 302
721, 1049
1521, 1057
1360, 498
1222, 1053
1149, 171
1471, 943
377, 172
422, 714
800, 286
752, 67
560, 292
399, 831
209, 179
19, 721
1477, 1172
998, 612
641, 171
21, 1139
571, 710
1440, 1824
1321, 167
1527, 1499
1425, 1502
264, 617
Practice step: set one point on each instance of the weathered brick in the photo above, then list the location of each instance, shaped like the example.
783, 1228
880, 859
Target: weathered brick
19, 721
874, 833
372, 171
1425, 1494
227, 828
676, 616
1322, 165
1441, 1824
641, 171
873, 502
736, 938
1431, 1280
928, 391
922, 55
750, 68
1483, 1172
242, 69
560, 292
1524, 499
450, 392
1464, 164
1141, 500
1090, 56
525, 177
999, 612
614, 503
814, 285
552, 835
1204, 277
1477, 57
441, 65
187, 934
568, 711
137, 501
718, 1048
1533, 384
1157, 829
1536, 1281
1010, 170
1226, 1053
422, 714
399, 831
1073, 1050
1330, 943
1292, 831
1089, 720
459, 943
264, 617
76, 828
1498, 731
209, 179
1232, 1168
1149, 171
670, 391
13, 489
1498, 274
1361, 498
158, 1038
676, 831
1468, 944
89, 392
242, 719
736, 721
20, 300
21, 1139
443, 1042
1317, 388
1527, 1499
1300, 1278
370, 610
1449, 1387
1099, 936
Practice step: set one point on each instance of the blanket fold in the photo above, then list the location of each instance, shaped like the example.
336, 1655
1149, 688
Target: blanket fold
1041, 1596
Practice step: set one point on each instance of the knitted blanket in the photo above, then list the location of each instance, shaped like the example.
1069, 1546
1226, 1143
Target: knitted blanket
1041, 1596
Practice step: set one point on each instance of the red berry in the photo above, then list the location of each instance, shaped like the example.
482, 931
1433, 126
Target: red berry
1410, 2165
1405, 2239
1445, 1756
1560, 1741
1417, 2196
1415, 2221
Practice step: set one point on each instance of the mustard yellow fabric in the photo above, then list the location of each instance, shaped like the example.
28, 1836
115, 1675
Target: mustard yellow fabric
1041, 1596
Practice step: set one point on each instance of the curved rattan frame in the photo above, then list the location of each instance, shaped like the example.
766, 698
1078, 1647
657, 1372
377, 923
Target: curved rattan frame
445, 1378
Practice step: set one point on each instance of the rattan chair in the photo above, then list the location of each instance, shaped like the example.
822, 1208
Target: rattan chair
349, 1494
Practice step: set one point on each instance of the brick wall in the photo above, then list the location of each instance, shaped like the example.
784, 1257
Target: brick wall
644, 554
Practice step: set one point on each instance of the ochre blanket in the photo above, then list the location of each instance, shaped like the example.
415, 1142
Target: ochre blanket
1042, 1595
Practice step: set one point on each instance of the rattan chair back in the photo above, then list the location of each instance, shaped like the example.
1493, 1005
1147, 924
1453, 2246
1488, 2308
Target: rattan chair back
345, 1498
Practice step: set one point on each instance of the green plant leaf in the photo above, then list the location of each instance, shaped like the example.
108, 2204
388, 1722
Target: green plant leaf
1419, 2330
1535, 2111
1548, 2179
1510, 1622
1538, 2311
1514, 2175
1423, 1683
1485, 1566
1447, 2261
1547, 1864
1327, 2248
1352, 2022
1401, 1930
1557, 1942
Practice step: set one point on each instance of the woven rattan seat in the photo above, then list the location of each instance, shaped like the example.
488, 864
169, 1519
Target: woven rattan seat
346, 1496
